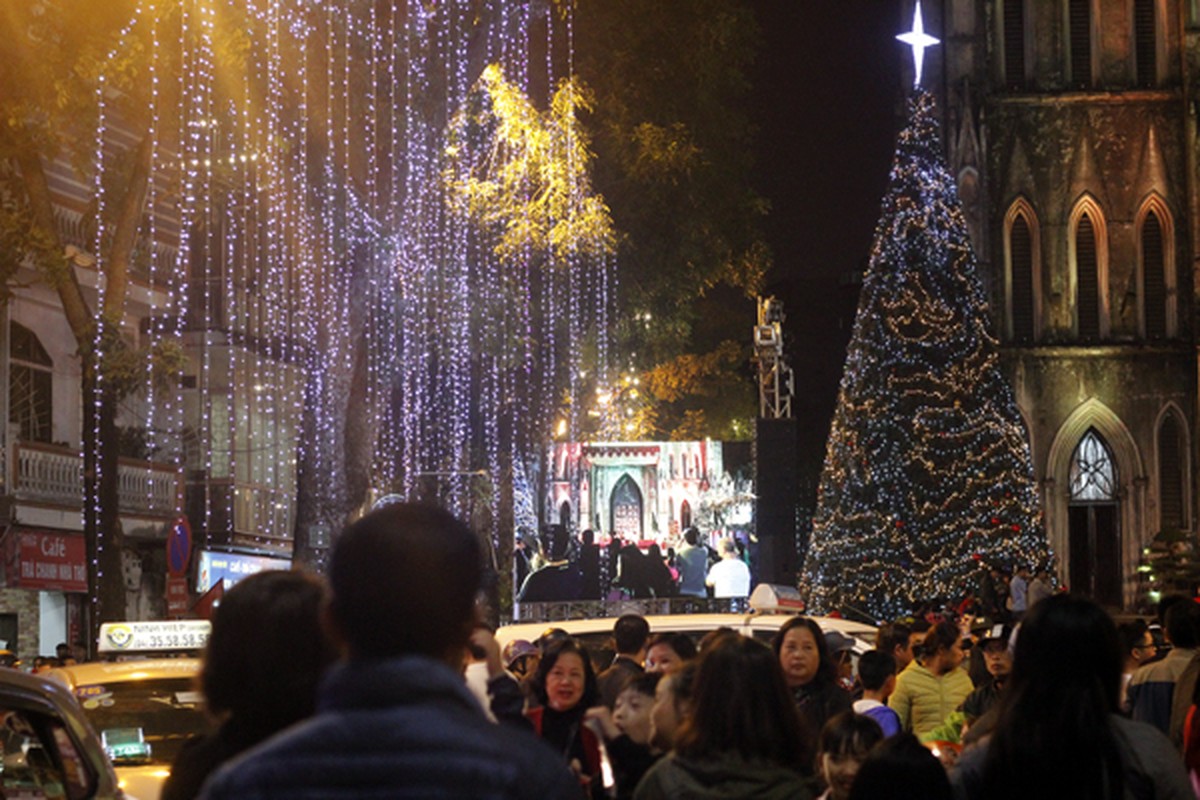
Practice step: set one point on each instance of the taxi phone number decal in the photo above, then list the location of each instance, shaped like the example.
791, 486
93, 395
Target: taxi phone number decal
141, 636
184, 641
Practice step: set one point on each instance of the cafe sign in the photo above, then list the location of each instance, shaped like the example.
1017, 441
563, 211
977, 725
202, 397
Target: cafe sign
47, 561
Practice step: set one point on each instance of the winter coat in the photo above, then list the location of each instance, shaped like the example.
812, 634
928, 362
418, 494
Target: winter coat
923, 700
675, 777
396, 727
588, 745
817, 702
1151, 691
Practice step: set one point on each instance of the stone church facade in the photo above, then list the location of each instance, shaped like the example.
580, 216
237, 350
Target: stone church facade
1071, 128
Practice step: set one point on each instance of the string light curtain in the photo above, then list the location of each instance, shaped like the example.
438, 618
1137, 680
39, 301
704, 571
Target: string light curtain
927, 473
322, 271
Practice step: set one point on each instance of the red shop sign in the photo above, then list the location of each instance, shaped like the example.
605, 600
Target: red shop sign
53, 562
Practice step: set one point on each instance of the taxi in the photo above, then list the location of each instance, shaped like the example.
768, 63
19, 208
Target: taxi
147, 705
771, 606
47, 746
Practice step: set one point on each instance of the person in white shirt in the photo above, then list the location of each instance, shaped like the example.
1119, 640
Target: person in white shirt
729, 577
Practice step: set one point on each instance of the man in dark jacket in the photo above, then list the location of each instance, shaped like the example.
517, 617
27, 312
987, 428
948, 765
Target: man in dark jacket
631, 632
395, 719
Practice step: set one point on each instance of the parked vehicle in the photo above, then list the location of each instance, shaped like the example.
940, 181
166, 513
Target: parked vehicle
145, 708
48, 748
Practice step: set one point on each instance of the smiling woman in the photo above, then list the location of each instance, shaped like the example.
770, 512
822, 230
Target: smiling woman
565, 685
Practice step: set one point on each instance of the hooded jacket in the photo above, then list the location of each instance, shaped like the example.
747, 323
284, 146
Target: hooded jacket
725, 777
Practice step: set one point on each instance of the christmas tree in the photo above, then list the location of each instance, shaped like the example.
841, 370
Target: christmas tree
927, 470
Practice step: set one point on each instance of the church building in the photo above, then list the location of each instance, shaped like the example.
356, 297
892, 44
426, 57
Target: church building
1070, 126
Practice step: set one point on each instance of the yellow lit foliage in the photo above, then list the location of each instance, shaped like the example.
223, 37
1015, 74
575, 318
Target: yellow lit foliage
529, 181
693, 373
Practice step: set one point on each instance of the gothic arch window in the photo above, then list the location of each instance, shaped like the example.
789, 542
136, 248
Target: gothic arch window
1172, 474
1088, 248
1022, 275
1093, 474
1145, 43
1012, 49
685, 515
1156, 270
1094, 529
1080, 36
30, 385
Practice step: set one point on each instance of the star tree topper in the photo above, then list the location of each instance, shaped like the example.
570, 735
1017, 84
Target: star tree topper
918, 40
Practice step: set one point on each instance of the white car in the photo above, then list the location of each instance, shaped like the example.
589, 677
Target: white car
773, 607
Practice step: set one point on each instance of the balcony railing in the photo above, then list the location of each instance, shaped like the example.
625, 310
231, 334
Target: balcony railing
243, 513
54, 475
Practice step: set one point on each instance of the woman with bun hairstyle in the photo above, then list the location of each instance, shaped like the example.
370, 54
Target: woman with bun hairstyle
934, 682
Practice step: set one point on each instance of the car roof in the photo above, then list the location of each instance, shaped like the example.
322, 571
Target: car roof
100, 672
748, 624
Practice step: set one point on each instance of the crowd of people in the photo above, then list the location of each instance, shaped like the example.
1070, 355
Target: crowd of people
556, 567
383, 683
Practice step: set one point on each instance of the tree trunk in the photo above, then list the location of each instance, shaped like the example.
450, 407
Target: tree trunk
101, 497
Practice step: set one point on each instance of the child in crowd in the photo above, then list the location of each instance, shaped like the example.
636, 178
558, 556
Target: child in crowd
877, 674
845, 741
626, 731
672, 705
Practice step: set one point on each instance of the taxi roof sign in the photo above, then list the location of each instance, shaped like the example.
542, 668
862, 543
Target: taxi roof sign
774, 598
171, 636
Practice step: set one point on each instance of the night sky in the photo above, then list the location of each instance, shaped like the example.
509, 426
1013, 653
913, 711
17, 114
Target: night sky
828, 101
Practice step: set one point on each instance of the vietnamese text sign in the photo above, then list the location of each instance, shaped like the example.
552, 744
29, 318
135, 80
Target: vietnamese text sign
184, 634
232, 567
178, 599
50, 562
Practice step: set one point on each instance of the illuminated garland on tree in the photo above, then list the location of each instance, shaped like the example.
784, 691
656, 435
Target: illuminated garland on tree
380, 244
927, 472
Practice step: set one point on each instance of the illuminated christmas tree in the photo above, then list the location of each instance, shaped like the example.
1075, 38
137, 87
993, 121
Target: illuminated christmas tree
927, 471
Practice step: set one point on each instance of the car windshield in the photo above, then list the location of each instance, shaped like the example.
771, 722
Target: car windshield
167, 711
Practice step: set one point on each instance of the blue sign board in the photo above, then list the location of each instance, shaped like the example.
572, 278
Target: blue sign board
232, 567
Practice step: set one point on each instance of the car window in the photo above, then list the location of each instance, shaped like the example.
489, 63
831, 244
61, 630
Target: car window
40, 759
144, 721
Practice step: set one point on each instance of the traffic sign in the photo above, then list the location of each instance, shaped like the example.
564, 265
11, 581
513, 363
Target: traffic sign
179, 547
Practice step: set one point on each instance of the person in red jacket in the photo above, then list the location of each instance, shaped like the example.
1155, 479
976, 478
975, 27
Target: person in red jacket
565, 684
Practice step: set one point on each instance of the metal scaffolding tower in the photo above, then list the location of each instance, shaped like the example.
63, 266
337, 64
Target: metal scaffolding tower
776, 382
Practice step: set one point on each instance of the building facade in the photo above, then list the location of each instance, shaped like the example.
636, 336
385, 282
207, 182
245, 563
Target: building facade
1071, 128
